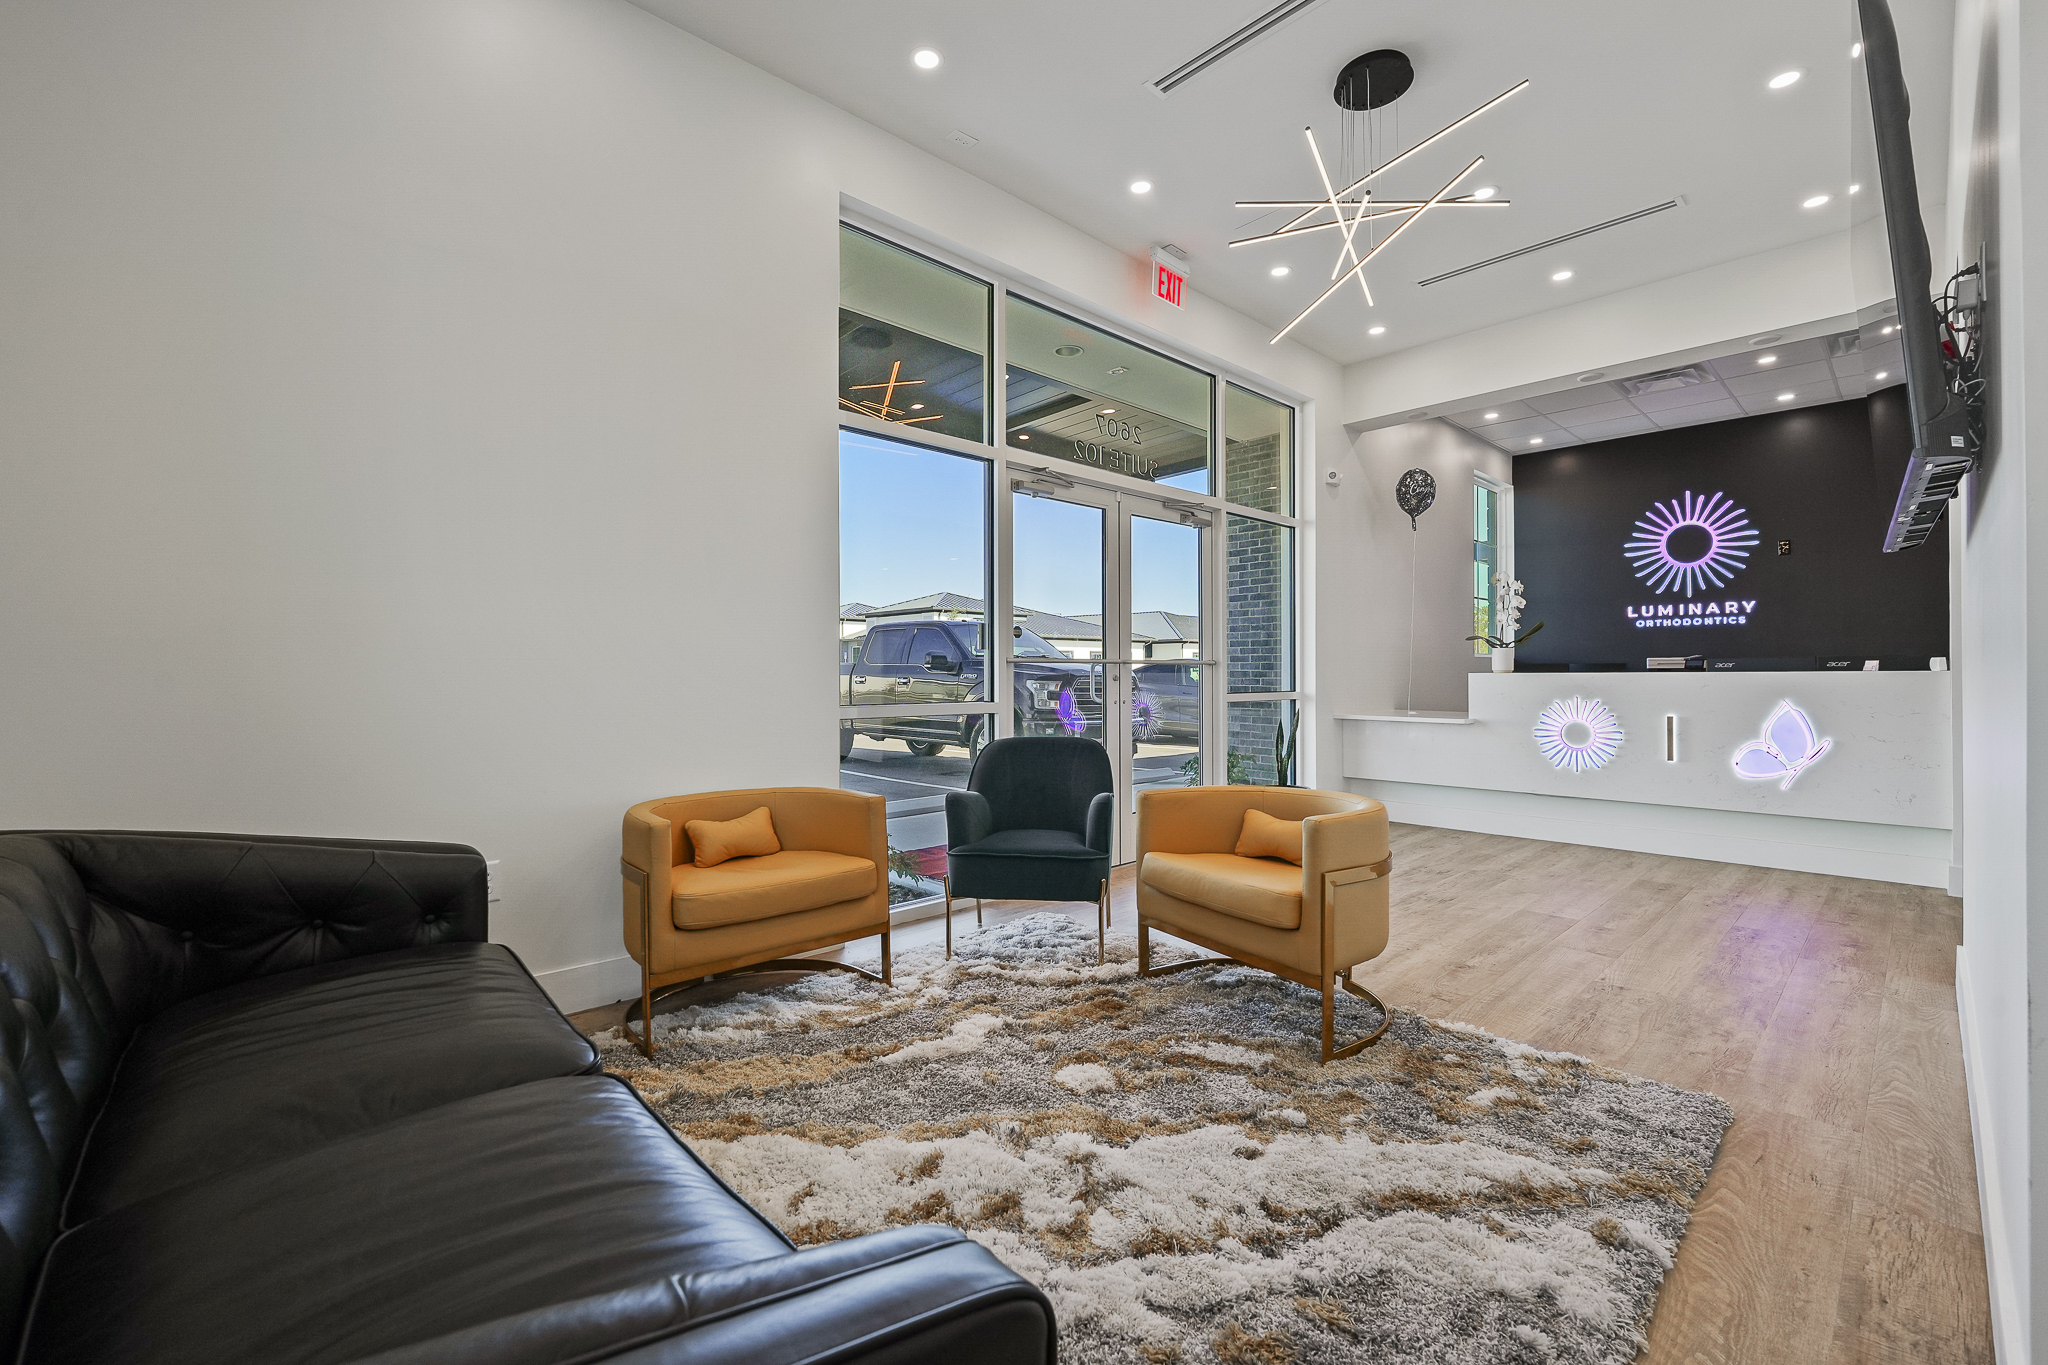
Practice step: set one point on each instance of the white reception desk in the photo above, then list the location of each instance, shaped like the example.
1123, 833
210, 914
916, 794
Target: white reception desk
1875, 804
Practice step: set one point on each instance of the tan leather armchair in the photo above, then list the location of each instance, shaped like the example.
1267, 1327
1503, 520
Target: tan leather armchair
828, 885
1312, 924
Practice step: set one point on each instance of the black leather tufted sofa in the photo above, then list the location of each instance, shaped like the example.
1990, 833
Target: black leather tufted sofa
277, 1100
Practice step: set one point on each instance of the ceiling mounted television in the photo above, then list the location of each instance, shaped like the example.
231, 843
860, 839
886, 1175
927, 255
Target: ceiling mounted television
1938, 337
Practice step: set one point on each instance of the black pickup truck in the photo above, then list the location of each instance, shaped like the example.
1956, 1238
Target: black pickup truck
932, 661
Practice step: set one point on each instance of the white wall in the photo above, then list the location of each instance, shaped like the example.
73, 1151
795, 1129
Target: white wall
1999, 118
1369, 570
417, 422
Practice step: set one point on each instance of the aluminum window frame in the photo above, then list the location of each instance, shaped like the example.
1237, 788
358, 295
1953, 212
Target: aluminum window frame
1216, 696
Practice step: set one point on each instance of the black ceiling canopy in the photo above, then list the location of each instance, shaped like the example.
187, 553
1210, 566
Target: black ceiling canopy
1377, 78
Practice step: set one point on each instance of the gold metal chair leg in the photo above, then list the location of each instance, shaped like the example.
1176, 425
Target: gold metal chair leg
1102, 923
1331, 1052
949, 917
977, 912
645, 1039
887, 978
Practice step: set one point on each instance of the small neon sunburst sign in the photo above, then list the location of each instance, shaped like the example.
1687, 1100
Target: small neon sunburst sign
1577, 734
1691, 542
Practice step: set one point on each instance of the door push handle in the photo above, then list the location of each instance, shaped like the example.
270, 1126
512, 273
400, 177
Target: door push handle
860, 680
903, 682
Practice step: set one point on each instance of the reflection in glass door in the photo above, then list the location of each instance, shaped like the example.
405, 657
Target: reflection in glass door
1163, 641
1108, 633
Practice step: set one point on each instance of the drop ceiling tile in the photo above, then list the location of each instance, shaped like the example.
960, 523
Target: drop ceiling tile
1788, 354
1692, 396
1511, 433
1579, 396
1781, 378
1598, 412
1632, 425
1696, 413
1479, 418
1757, 404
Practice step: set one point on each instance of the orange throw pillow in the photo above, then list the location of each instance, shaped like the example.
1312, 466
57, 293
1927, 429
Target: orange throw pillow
750, 836
1265, 837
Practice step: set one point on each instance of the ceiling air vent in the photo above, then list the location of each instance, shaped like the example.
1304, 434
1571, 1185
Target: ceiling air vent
1244, 37
1666, 380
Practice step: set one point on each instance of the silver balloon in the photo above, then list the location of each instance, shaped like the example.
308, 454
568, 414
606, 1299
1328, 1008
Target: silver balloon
1415, 492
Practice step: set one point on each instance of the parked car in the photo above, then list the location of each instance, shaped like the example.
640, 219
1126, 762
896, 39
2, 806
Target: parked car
933, 661
1166, 701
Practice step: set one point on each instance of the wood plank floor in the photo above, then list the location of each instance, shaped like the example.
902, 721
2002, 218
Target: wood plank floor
1840, 1224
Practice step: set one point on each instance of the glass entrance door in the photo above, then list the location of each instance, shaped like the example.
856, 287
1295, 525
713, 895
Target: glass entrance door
1106, 636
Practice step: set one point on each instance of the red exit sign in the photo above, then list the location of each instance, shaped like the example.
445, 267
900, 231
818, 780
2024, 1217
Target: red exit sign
1169, 279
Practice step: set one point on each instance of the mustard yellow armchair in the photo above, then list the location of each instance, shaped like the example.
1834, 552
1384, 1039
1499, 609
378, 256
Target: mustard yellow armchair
828, 885
1312, 923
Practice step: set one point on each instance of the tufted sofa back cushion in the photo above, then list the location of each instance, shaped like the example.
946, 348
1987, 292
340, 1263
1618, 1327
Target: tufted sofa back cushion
101, 930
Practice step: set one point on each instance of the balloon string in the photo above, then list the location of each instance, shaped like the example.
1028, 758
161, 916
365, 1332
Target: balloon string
1415, 536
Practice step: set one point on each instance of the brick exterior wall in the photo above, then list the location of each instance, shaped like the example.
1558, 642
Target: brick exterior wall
1259, 603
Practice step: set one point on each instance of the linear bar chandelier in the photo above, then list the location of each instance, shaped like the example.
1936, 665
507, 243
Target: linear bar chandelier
1348, 214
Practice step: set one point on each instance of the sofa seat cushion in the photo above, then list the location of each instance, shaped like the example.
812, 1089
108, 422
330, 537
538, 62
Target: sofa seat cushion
479, 1209
1029, 843
784, 883
1260, 890
273, 1066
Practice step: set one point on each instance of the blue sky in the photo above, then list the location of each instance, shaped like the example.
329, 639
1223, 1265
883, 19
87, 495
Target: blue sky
910, 523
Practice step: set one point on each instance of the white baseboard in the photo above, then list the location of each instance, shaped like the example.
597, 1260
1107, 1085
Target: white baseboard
1840, 848
590, 984
2008, 1327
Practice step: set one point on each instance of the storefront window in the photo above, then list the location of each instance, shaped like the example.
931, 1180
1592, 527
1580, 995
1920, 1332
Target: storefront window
913, 339
912, 635
1260, 742
1258, 595
1079, 394
1258, 451
1485, 559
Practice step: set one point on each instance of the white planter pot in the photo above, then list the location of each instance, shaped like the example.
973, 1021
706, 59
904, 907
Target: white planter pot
1503, 661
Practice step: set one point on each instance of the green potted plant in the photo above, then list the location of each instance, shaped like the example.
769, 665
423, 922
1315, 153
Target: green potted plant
1507, 616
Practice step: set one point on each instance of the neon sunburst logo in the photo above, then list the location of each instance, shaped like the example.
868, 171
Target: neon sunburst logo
1578, 734
1713, 540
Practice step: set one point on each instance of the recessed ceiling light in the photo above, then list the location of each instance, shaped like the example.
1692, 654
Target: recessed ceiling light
1880, 374
917, 407
1066, 350
1591, 375
1374, 331
1488, 417
1486, 192
1560, 277
925, 58
1815, 202
1278, 271
1785, 78
1855, 189
1786, 397
1413, 416
1886, 331
1141, 187
1118, 369
1855, 51
1023, 435
1109, 412
1535, 440
1767, 339
1767, 360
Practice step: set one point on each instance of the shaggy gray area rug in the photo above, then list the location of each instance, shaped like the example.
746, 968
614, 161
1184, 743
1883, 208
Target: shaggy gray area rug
1167, 1160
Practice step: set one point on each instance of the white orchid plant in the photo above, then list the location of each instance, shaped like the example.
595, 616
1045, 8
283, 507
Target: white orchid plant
1507, 615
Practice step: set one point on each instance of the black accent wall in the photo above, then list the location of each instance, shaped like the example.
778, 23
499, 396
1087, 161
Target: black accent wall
1814, 477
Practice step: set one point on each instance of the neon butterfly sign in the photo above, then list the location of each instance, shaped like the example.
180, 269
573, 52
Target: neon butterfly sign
1787, 749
